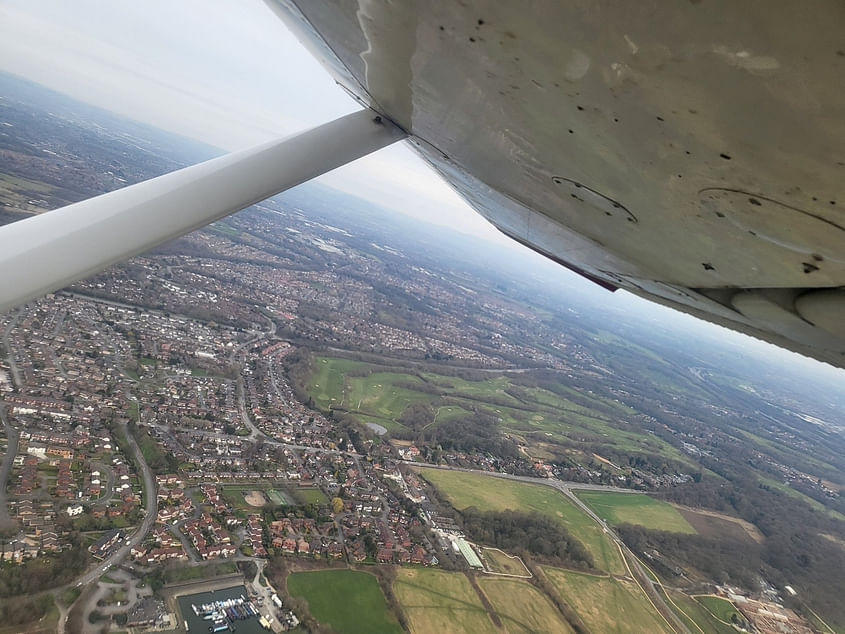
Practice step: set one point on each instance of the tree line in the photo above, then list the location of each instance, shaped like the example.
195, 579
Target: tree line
526, 533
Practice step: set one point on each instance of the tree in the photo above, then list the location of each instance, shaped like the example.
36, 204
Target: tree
337, 505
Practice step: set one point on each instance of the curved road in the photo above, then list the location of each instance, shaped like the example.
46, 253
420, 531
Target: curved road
150, 512
105, 470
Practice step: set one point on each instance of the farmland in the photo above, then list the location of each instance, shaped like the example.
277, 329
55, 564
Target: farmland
590, 596
363, 608
521, 607
464, 489
642, 510
437, 601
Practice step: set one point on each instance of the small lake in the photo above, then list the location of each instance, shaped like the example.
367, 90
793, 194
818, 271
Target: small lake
198, 625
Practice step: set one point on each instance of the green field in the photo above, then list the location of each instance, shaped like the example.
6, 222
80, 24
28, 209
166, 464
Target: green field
695, 616
438, 601
539, 416
191, 573
374, 398
521, 607
362, 608
634, 508
234, 496
502, 563
607, 604
310, 496
722, 609
488, 493
276, 497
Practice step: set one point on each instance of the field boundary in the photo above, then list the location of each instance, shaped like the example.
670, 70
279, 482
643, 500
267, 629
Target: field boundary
666, 592
715, 616
507, 574
488, 607
642, 587
752, 531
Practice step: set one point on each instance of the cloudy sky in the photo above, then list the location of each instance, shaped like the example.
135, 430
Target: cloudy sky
229, 73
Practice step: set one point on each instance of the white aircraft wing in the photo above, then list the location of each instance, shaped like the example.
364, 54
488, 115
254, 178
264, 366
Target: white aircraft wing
692, 153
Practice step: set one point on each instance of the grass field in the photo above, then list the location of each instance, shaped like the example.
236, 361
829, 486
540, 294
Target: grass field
496, 494
369, 397
276, 497
438, 601
362, 608
502, 563
539, 416
720, 608
190, 573
310, 496
234, 496
639, 509
521, 607
607, 604
696, 617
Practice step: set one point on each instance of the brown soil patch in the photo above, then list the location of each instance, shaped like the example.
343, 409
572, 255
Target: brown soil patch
255, 498
719, 525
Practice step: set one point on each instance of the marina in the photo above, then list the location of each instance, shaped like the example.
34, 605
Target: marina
225, 610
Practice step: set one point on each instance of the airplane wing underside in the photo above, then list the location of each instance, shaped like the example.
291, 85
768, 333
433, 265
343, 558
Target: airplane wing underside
691, 153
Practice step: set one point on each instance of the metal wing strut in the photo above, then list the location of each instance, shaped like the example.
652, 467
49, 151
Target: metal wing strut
49, 251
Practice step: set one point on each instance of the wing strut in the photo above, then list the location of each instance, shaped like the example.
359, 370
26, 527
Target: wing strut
49, 251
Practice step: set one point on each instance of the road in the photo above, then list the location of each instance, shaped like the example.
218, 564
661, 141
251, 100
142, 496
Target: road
254, 432
269, 440
150, 511
176, 529
105, 470
8, 459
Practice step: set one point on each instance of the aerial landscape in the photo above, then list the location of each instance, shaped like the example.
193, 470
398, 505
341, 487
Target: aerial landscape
317, 415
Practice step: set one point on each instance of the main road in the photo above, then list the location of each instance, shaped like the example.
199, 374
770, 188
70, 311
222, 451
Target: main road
150, 511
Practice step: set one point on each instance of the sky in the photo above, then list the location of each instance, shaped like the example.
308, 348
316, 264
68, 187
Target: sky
229, 73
